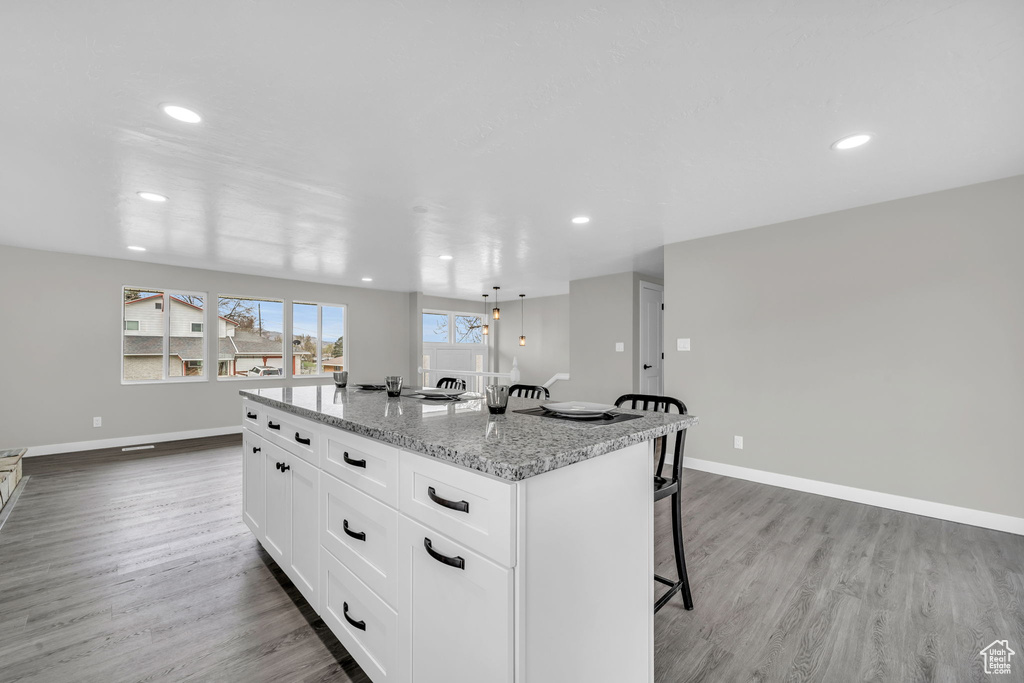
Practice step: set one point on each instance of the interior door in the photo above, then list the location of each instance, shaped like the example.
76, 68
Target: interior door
652, 297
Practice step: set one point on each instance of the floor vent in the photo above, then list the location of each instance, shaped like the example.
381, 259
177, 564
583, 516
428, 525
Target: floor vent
137, 448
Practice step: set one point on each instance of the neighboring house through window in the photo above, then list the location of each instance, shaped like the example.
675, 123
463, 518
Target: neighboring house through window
251, 336
159, 341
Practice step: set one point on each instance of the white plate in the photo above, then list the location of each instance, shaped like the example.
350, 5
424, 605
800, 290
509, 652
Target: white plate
579, 408
435, 392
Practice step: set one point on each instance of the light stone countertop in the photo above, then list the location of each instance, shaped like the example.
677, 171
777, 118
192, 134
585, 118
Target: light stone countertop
510, 446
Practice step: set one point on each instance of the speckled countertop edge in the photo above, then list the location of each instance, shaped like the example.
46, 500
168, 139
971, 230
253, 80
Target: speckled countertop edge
528, 466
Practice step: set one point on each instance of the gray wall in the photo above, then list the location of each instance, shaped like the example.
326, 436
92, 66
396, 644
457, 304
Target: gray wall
601, 314
880, 347
60, 371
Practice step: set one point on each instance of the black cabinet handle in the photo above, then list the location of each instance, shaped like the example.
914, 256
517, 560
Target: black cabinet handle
251, 416
256, 449
456, 562
298, 438
350, 461
358, 535
285, 468
647, 367
461, 506
272, 425
361, 625
277, 465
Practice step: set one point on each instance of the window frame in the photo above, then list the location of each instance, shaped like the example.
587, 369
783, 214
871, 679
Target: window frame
319, 332
200, 327
286, 356
165, 313
138, 323
452, 315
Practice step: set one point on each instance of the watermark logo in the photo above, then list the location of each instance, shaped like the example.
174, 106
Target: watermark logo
997, 657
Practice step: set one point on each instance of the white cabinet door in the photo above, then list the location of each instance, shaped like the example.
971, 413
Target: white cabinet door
253, 488
456, 608
277, 529
303, 568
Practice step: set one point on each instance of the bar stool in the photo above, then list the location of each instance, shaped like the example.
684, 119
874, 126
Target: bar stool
667, 486
451, 383
529, 391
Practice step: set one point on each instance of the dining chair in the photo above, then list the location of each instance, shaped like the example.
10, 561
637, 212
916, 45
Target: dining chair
667, 486
451, 383
529, 391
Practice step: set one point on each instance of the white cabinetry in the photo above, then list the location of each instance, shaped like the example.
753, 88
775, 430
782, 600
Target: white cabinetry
253, 496
428, 572
456, 608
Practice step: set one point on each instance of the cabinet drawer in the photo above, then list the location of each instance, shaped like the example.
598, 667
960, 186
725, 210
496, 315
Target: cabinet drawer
361, 621
365, 464
252, 414
293, 434
456, 608
361, 532
471, 508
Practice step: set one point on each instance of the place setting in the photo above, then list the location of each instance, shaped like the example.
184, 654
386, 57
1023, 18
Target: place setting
584, 412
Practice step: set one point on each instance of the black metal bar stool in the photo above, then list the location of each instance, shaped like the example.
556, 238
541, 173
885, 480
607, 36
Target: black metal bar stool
451, 383
529, 391
667, 486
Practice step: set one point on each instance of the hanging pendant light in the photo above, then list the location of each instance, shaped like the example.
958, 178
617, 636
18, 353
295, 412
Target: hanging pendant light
486, 326
522, 318
496, 311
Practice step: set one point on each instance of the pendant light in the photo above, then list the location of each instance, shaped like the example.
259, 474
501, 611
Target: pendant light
486, 326
496, 311
522, 318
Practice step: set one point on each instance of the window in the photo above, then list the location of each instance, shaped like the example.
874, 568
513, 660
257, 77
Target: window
318, 338
453, 344
160, 342
250, 337
197, 327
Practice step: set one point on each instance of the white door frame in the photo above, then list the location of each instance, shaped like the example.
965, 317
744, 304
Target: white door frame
659, 362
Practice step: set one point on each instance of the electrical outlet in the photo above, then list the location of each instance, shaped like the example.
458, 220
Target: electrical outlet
737, 442
682, 344
620, 347
97, 422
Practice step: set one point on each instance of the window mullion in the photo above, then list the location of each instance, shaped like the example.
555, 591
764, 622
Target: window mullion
167, 334
319, 339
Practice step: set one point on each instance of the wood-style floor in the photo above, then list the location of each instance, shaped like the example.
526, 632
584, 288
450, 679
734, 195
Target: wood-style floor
138, 568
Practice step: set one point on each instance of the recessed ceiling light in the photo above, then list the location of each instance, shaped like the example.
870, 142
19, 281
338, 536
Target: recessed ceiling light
182, 114
152, 196
580, 220
367, 279
135, 248
851, 141
446, 257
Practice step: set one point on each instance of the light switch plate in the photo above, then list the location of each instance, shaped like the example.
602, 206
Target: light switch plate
682, 344
620, 347
737, 442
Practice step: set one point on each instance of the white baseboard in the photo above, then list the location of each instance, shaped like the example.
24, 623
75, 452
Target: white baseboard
951, 513
120, 442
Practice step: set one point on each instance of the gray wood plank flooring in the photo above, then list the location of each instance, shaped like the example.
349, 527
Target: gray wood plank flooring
137, 567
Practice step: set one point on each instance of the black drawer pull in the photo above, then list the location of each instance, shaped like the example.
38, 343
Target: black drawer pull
285, 468
298, 438
251, 416
361, 625
358, 535
461, 506
350, 461
278, 465
456, 562
272, 425
256, 449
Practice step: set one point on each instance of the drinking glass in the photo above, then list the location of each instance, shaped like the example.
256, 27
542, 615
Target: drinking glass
393, 383
341, 378
497, 398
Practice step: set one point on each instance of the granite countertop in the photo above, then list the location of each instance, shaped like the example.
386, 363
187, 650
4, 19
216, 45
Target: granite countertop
510, 446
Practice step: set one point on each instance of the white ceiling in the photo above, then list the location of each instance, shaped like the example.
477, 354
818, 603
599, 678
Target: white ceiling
351, 139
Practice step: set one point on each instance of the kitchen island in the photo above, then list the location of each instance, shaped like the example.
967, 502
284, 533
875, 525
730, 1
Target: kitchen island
442, 543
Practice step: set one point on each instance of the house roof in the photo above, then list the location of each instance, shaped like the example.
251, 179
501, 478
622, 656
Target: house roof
338, 360
186, 348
